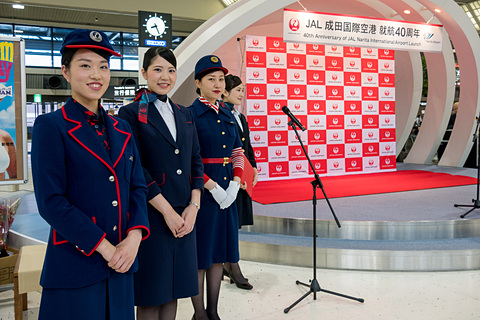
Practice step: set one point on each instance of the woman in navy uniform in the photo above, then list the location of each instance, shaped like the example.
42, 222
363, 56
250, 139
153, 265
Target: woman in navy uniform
221, 150
234, 93
170, 153
90, 188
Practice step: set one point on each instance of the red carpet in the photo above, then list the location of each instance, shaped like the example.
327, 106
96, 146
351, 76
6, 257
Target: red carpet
267, 192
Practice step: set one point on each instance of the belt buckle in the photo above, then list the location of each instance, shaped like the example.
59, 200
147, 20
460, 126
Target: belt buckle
225, 161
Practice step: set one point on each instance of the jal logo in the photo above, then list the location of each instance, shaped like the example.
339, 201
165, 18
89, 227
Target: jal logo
278, 137
316, 76
256, 90
255, 58
276, 59
352, 92
317, 151
318, 166
352, 77
353, 135
353, 106
279, 168
316, 91
334, 92
316, 136
296, 75
277, 106
276, 74
336, 164
369, 78
370, 106
335, 150
335, 135
256, 74
386, 52
316, 121
276, 43
369, 64
298, 166
255, 42
278, 121
371, 162
297, 106
387, 147
353, 163
353, 121
370, 120
294, 24
296, 90
387, 134
387, 106
387, 93
387, 120
256, 137
335, 120
316, 106
334, 48
315, 47
276, 90
278, 153
370, 148
370, 134
369, 51
256, 122
296, 60
387, 161
353, 149
352, 50
296, 45
316, 61
298, 152
370, 92
334, 106
352, 63
334, 77
258, 153
256, 106
386, 65
334, 63
386, 79
259, 169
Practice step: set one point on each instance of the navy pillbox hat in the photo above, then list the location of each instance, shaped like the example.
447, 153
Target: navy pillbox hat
210, 62
88, 39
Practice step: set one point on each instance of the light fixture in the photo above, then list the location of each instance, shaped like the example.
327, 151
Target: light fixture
226, 3
406, 11
18, 6
438, 10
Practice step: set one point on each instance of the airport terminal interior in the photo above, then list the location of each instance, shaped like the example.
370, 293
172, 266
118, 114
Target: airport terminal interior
406, 254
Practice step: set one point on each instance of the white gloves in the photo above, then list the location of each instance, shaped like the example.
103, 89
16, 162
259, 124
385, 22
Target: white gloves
218, 193
231, 192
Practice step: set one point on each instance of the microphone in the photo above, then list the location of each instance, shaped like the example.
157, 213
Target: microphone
293, 118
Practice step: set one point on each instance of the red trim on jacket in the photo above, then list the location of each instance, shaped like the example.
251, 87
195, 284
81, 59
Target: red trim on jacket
55, 242
89, 254
140, 227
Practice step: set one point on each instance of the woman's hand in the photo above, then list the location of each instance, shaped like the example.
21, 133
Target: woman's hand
174, 222
255, 177
106, 249
126, 251
189, 215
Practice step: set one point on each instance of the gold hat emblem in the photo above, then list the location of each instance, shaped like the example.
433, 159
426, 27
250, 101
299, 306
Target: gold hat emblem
214, 59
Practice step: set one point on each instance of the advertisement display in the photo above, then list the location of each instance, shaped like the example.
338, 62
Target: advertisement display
343, 96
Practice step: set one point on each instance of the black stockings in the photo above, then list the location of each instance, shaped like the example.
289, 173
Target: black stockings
166, 311
214, 278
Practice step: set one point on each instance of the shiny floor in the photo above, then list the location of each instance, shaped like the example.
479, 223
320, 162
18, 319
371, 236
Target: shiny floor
402, 295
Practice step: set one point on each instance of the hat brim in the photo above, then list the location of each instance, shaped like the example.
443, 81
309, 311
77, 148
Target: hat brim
225, 71
87, 46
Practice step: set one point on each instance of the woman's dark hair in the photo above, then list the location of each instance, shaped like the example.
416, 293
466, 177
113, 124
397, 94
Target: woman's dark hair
231, 82
203, 74
70, 52
153, 52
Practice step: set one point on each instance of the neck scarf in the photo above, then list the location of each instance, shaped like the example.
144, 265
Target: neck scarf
205, 101
146, 97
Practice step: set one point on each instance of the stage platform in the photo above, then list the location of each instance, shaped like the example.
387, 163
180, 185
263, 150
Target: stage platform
404, 231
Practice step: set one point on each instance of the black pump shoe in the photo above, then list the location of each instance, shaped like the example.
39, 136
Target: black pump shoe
245, 286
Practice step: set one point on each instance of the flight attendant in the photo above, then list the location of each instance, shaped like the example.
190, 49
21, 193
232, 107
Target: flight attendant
90, 188
221, 151
233, 96
167, 140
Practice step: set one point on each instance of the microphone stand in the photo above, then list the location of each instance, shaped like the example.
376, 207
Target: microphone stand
476, 202
314, 286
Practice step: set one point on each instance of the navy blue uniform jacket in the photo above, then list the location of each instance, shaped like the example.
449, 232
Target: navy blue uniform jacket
84, 194
163, 160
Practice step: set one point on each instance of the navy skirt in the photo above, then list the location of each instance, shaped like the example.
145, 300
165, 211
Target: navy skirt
111, 299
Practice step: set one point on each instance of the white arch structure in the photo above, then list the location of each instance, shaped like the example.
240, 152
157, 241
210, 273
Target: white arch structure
264, 17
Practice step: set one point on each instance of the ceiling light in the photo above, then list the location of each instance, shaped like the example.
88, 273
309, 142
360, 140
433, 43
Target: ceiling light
406, 11
438, 10
18, 6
